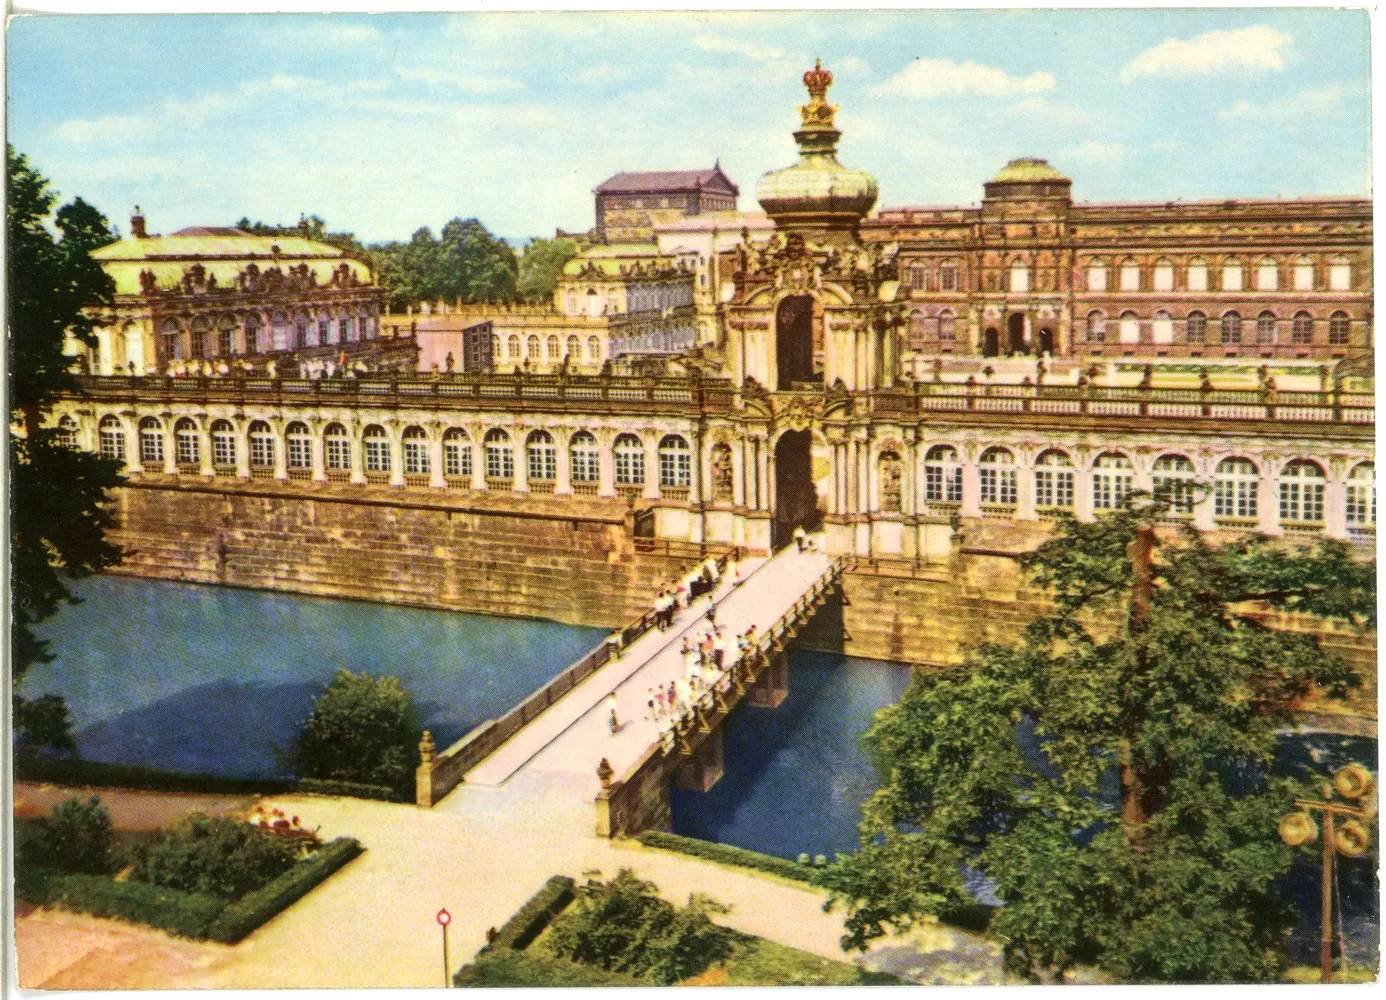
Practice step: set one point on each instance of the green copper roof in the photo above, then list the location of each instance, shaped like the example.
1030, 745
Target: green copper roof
1027, 168
214, 246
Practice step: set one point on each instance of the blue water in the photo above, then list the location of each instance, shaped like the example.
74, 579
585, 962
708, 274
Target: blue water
211, 679
795, 778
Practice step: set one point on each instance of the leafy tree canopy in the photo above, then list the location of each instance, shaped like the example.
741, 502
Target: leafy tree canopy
540, 267
468, 262
1141, 833
361, 729
57, 521
311, 227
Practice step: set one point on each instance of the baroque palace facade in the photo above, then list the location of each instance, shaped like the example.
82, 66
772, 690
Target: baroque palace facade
846, 382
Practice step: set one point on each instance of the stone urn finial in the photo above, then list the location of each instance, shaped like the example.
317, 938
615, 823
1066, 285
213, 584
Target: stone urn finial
605, 772
427, 749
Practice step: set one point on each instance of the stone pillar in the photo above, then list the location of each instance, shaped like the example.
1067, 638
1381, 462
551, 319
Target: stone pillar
606, 466
1268, 497
170, 446
358, 455
520, 484
478, 446
1025, 487
204, 447
396, 445
130, 430
971, 488
703, 768
772, 686
316, 453
1082, 489
242, 449
762, 473
1335, 502
563, 486
864, 505
909, 480
435, 457
738, 458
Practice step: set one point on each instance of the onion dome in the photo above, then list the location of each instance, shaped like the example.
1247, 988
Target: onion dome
1028, 177
817, 193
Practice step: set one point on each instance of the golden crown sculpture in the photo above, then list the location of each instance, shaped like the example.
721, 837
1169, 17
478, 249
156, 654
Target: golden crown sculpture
818, 113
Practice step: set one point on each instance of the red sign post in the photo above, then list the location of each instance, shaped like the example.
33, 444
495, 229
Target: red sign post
445, 918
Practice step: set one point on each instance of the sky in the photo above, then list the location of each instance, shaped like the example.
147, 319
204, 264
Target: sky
381, 124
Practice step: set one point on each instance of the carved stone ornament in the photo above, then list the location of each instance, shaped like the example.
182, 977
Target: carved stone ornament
797, 413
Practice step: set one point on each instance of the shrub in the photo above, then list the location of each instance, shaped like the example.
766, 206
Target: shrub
362, 729
530, 920
727, 855
520, 968
76, 837
353, 789
624, 926
220, 856
256, 908
183, 913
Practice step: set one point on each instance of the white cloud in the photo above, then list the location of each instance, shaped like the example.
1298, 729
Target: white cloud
850, 66
603, 73
469, 83
1306, 105
1091, 152
738, 47
933, 77
351, 33
1255, 50
108, 128
1053, 112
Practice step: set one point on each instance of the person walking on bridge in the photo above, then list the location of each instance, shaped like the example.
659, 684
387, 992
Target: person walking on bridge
800, 537
612, 720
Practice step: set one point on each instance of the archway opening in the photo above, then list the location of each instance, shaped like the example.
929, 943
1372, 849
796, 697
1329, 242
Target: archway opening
796, 500
991, 343
794, 341
1046, 341
1015, 334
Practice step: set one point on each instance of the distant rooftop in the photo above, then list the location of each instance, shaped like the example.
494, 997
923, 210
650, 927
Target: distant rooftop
662, 181
211, 231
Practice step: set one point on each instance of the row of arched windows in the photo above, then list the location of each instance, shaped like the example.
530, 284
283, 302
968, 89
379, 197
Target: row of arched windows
571, 347
1231, 275
227, 335
1269, 328
497, 451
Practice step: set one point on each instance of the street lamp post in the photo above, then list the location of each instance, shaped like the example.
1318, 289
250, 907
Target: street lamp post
1350, 839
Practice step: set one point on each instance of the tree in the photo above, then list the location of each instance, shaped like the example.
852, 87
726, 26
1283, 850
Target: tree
474, 265
1136, 827
540, 268
362, 729
57, 518
312, 227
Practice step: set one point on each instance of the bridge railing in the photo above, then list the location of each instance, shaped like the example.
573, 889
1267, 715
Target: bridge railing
441, 772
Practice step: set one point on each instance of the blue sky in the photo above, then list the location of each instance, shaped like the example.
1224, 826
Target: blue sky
382, 124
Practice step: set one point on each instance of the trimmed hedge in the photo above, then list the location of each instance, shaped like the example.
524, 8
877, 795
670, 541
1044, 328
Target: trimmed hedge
352, 789
95, 774
727, 855
255, 908
186, 914
519, 968
530, 920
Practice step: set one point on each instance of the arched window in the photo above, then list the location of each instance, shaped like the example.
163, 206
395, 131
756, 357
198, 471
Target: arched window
946, 334
594, 303
500, 457
582, 451
553, 348
185, 434
675, 462
223, 445
1162, 328
226, 336
543, 457
919, 327
513, 346
1236, 489
1265, 327
1301, 493
172, 340
1195, 328
300, 331
1164, 275
1267, 275
594, 350
1304, 274
890, 475
1361, 496
457, 454
1174, 481
111, 438
996, 474
1232, 275
279, 332
1097, 327
252, 334
1097, 275
1232, 327
532, 348
630, 460
1054, 481
375, 448
1019, 276
337, 448
66, 436
416, 457
1111, 480
197, 341
1130, 275
574, 351
1339, 327
151, 442
1130, 329
1339, 274
350, 331
948, 276
262, 445
1302, 329
942, 475
1198, 275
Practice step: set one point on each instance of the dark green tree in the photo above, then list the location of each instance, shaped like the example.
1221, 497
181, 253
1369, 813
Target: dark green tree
57, 518
1140, 835
362, 729
475, 265
540, 267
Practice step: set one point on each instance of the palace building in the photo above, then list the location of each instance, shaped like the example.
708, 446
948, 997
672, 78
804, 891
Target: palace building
630, 205
838, 370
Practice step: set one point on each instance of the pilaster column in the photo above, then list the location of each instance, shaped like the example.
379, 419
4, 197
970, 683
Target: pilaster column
316, 452
204, 448
1082, 489
1025, 487
1335, 502
520, 484
606, 465
130, 431
651, 443
864, 505
563, 486
1268, 497
393, 433
242, 448
478, 446
170, 445
738, 460
971, 487
358, 455
435, 457
762, 473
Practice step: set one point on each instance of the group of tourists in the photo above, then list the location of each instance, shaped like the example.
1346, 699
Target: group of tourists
708, 656
673, 597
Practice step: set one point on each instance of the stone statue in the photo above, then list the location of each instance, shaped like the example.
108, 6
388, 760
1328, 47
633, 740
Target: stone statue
722, 491
892, 471
449, 362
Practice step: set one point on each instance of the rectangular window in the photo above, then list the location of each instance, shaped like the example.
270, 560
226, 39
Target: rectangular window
338, 453
226, 342
543, 464
948, 278
112, 444
223, 450
675, 468
1361, 505
457, 460
1301, 502
1236, 498
252, 340
500, 462
1053, 488
997, 486
416, 458
585, 466
262, 451
151, 447
377, 455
